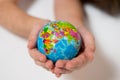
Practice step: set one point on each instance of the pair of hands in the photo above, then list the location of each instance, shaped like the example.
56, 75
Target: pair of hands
85, 55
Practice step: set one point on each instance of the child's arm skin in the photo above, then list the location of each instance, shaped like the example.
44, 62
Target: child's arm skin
16, 20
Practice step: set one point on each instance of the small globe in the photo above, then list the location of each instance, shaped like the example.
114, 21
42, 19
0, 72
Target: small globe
59, 40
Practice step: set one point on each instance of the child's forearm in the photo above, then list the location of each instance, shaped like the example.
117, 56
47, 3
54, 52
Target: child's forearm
69, 10
15, 19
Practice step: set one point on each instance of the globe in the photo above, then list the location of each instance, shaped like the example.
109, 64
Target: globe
59, 40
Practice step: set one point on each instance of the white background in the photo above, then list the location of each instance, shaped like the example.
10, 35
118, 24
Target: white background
15, 63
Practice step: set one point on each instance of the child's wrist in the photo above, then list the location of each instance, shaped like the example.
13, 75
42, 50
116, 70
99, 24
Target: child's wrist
33, 22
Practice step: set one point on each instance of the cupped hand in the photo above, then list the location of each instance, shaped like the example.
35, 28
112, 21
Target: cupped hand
39, 58
85, 55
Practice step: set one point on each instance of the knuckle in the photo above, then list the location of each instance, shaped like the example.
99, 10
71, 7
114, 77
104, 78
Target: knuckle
92, 49
69, 66
48, 65
43, 58
89, 56
58, 63
51, 65
33, 54
57, 70
37, 63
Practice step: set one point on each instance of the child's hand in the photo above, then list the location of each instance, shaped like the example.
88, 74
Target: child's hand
39, 58
86, 54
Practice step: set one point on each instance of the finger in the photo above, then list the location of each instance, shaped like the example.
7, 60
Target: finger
61, 70
41, 64
88, 54
58, 75
49, 65
61, 63
80, 61
33, 37
35, 54
58, 70
76, 62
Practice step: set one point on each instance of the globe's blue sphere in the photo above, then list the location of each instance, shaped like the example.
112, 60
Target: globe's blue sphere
59, 40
